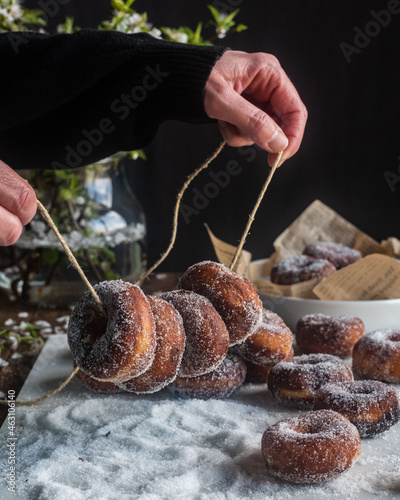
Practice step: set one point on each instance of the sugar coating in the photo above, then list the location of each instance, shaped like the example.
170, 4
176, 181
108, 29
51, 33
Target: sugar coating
300, 268
377, 356
170, 337
312, 447
207, 339
319, 333
219, 383
339, 255
296, 381
270, 344
119, 346
370, 405
233, 296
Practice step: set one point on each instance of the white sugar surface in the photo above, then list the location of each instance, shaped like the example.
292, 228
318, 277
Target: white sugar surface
82, 446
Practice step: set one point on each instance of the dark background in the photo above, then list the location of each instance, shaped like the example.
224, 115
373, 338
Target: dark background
350, 146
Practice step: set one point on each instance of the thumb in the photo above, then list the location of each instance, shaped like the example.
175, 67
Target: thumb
252, 122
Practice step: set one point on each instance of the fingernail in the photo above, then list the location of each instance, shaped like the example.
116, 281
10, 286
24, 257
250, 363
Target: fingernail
278, 142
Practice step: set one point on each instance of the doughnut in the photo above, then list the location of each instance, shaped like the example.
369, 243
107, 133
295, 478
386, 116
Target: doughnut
257, 374
219, 383
311, 448
328, 334
271, 342
296, 381
232, 296
170, 337
300, 268
377, 356
207, 339
120, 345
339, 255
96, 385
370, 405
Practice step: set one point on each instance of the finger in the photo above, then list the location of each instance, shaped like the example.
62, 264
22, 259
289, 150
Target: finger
232, 135
252, 121
16, 195
11, 227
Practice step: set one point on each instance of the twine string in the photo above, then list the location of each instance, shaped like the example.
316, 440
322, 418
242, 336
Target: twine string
176, 211
46, 216
253, 212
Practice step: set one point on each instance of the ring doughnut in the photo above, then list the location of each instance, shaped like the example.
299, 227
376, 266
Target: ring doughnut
271, 342
296, 381
300, 268
120, 346
232, 296
311, 448
339, 255
370, 405
170, 337
220, 383
207, 339
377, 356
319, 333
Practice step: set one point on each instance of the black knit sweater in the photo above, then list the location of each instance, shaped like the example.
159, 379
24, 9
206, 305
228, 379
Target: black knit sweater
69, 100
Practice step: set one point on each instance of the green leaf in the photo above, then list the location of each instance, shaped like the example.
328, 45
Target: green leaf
231, 16
241, 27
118, 5
215, 13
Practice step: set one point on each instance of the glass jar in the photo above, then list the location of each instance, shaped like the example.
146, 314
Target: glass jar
102, 222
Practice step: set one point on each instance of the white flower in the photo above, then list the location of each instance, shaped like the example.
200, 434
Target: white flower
155, 32
6, 15
16, 11
176, 35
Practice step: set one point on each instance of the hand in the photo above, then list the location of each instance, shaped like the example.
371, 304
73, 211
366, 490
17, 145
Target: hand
254, 102
17, 205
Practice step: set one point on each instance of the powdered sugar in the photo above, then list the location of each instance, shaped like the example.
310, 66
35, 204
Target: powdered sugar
339, 255
232, 296
300, 268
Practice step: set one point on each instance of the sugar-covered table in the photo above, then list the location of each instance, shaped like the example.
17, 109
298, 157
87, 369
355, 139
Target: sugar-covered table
81, 446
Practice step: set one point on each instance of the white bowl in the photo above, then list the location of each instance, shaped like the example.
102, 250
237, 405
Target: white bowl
376, 314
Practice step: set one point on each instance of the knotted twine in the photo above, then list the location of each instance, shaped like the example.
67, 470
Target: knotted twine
45, 214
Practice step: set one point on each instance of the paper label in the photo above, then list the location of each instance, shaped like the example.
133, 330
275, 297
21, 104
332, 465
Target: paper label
226, 252
376, 277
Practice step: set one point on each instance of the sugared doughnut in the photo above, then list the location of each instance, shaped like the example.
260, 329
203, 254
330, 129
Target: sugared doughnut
300, 268
339, 255
317, 333
311, 448
232, 296
257, 374
271, 342
97, 385
370, 405
219, 383
377, 356
207, 339
170, 337
296, 381
116, 347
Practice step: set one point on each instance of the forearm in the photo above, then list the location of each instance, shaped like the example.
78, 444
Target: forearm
59, 89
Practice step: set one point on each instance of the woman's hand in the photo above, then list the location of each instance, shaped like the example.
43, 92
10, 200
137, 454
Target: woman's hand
255, 102
17, 205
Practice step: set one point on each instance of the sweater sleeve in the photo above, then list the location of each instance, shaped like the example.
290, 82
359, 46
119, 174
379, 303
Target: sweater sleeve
69, 100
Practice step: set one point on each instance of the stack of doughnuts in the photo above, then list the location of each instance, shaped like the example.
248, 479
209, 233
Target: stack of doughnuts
142, 343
